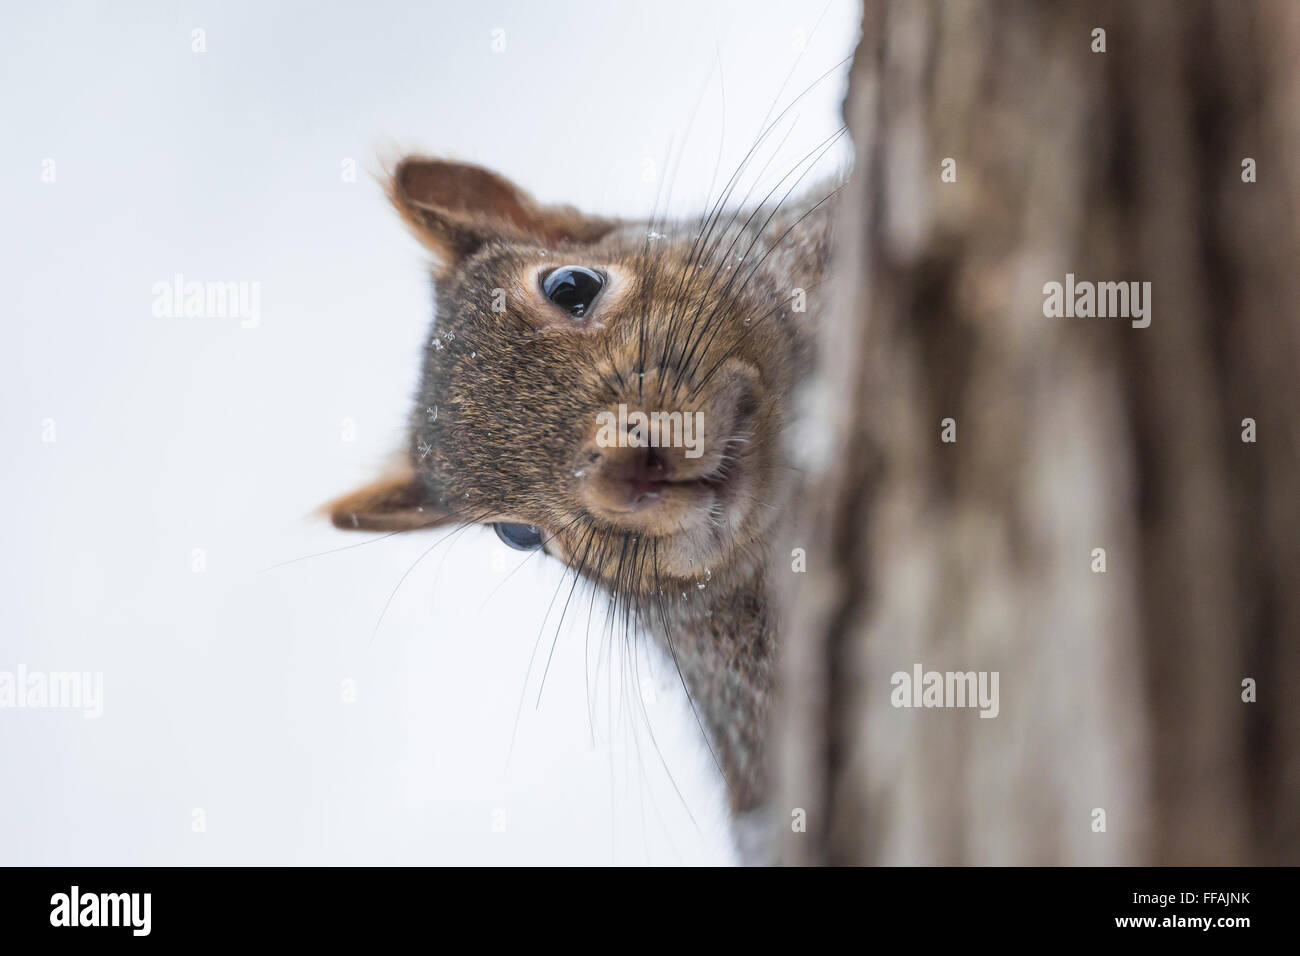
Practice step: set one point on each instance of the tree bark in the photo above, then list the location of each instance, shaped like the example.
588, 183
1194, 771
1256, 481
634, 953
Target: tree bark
1120, 691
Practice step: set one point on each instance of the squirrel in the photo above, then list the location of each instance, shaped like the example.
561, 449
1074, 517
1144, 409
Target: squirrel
550, 325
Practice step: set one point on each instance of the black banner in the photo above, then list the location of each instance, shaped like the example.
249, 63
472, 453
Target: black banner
928, 905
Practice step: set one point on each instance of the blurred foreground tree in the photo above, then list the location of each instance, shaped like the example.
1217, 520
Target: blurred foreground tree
1001, 146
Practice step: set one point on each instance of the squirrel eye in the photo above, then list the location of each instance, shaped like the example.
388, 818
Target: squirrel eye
521, 537
573, 288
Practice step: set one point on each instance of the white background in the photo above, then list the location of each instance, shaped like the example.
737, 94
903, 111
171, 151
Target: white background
223, 689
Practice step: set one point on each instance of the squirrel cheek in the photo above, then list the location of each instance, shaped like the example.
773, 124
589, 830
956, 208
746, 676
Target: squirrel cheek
554, 547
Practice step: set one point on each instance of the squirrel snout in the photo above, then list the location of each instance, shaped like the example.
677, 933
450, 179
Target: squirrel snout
618, 480
660, 470
638, 462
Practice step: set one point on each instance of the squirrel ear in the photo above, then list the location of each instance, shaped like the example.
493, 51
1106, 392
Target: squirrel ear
456, 208
393, 502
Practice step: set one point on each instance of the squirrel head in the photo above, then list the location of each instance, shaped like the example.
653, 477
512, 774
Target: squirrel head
608, 391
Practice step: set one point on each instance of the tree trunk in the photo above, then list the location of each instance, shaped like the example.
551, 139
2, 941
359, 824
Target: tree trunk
1120, 690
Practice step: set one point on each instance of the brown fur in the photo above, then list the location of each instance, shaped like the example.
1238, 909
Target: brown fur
684, 325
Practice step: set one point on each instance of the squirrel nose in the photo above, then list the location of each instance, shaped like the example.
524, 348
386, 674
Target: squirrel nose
660, 469
624, 479
631, 462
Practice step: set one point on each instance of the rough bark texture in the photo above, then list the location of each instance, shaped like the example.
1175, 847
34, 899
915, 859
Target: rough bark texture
1119, 690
